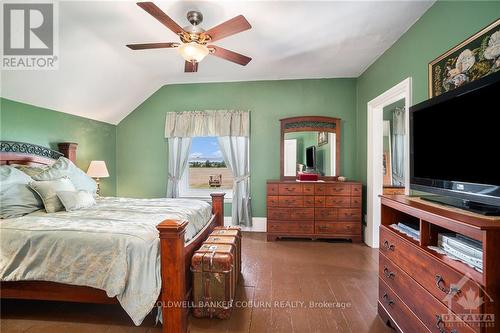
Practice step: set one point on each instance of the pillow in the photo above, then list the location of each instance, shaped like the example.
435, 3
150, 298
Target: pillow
73, 200
65, 168
16, 197
30, 170
47, 190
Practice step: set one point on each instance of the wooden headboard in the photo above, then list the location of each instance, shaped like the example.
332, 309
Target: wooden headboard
13, 152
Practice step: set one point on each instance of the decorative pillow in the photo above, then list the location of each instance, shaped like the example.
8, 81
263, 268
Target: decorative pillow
16, 197
47, 190
73, 200
30, 170
65, 168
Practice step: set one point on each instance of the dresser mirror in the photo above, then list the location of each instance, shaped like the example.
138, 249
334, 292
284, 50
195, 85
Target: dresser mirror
310, 144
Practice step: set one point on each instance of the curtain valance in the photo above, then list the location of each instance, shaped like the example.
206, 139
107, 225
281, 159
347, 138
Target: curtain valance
207, 123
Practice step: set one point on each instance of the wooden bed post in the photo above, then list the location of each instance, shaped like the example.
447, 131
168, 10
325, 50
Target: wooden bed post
173, 276
218, 207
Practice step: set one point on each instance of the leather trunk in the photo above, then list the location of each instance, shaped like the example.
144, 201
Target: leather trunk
214, 281
231, 231
231, 241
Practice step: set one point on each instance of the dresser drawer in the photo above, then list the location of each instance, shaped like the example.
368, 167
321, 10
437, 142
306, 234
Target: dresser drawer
349, 214
308, 189
303, 214
319, 201
287, 214
272, 201
290, 201
341, 228
399, 312
337, 201
319, 189
356, 190
413, 295
272, 189
278, 214
290, 227
435, 276
338, 189
356, 202
325, 214
290, 189
309, 201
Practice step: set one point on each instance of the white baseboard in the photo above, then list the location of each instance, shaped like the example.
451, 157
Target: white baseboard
259, 224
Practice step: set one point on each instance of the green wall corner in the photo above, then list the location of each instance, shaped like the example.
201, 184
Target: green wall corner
96, 140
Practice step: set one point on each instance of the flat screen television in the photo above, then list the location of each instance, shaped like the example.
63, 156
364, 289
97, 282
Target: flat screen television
311, 157
455, 146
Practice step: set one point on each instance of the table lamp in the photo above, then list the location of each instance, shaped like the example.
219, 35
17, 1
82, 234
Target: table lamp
97, 170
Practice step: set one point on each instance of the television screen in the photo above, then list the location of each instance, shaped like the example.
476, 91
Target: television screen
455, 143
459, 139
311, 157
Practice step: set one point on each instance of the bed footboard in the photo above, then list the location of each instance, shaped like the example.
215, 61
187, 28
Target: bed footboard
175, 273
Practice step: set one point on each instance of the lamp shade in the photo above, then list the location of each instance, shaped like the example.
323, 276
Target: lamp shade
97, 169
193, 51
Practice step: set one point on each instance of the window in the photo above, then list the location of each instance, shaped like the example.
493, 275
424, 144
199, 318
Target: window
206, 172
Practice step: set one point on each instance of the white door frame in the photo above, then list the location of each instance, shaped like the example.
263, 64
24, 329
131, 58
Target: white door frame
375, 155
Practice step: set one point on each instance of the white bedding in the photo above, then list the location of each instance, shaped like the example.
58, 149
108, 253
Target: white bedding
113, 246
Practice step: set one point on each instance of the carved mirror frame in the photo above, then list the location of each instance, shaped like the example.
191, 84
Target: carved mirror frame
310, 123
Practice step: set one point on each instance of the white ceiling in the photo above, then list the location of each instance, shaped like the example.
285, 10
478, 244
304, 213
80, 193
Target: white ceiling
99, 78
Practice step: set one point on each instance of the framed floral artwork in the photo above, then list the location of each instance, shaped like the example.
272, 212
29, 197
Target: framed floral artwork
474, 58
322, 138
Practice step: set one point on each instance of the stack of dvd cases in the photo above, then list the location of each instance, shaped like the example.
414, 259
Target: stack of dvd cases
463, 248
410, 229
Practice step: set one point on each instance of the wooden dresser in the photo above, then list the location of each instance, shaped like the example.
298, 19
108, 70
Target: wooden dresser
327, 209
423, 291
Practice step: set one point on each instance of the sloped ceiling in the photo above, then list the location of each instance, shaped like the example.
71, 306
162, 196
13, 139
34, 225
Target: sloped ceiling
99, 78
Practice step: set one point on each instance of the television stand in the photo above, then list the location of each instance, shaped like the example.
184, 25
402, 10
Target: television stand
471, 206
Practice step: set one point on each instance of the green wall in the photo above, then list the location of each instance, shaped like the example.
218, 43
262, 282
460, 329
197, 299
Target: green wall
444, 25
142, 150
28, 123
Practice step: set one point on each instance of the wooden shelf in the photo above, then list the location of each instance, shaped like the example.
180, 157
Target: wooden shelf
433, 273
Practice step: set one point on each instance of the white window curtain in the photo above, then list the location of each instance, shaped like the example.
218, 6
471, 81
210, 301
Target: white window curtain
233, 130
235, 150
178, 155
398, 148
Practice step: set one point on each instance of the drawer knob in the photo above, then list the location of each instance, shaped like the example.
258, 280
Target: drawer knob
389, 246
387, 299
449, 291
388, 274
440, 324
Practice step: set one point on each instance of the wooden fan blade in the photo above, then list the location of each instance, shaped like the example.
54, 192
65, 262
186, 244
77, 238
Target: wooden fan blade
190, 67
152, 46
229, 55
233, 26
158, 14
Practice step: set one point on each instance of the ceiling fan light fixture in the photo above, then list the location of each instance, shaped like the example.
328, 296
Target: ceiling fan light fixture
193, 51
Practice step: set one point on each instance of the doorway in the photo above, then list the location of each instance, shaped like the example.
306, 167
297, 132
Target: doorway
396, 102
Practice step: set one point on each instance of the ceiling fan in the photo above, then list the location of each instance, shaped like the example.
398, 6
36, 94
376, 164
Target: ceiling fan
194, 40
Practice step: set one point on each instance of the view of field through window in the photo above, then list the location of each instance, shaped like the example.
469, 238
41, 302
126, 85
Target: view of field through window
207, 169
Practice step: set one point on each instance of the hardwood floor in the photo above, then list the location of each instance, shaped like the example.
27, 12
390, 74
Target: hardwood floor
287, 286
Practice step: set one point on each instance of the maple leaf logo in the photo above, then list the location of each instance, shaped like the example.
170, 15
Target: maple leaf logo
470, 301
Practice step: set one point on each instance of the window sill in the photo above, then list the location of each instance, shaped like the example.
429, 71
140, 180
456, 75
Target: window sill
228, 198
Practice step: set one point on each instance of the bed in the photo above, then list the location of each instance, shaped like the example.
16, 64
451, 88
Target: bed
177, 237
